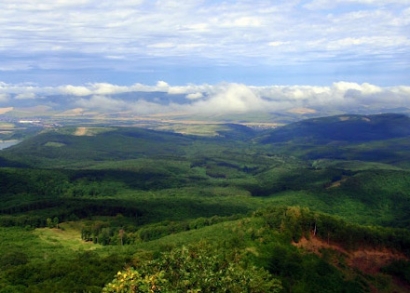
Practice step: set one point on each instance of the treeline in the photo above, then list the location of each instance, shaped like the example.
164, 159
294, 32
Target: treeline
79, 183
116, 232
35, 214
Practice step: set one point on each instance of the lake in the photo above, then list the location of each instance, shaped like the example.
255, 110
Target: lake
8, 143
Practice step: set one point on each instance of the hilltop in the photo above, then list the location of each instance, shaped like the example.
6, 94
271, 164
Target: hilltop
342, 129
383, 138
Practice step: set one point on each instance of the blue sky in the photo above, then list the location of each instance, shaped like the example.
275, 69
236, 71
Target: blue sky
252, 42
228, 56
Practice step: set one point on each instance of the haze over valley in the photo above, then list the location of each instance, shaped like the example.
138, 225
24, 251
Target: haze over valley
263, 106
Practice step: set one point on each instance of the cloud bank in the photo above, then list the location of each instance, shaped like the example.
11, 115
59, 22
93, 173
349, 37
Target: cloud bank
223, 98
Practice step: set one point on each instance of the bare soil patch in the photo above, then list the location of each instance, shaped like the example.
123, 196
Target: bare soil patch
367, 260
81, 131
337, 183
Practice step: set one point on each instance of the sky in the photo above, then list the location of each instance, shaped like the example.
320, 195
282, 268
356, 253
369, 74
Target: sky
227, 55
252, 42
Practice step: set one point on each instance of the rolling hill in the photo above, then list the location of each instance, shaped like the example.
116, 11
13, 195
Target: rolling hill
320, 205
342, 128
381, 138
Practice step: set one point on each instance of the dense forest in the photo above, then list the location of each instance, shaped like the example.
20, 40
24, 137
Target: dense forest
321, 205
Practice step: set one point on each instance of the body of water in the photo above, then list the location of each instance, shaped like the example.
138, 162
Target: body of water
8, 143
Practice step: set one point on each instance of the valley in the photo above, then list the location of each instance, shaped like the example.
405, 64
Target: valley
190, 206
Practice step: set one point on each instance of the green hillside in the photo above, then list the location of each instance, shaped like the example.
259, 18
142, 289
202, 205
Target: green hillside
290, 210
374, 138
342, 128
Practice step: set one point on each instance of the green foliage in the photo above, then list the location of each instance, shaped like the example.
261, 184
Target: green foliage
41, 183
13, 258
135, 197
399, 268
195, 269
308, 273
130, 281
86, 272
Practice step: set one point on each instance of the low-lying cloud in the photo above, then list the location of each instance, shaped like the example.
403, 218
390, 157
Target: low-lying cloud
224, 98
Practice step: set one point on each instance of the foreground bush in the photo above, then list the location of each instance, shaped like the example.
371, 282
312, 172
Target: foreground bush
194, 270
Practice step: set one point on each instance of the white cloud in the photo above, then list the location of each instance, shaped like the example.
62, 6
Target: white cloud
277, 43
222, 98
194, 96
228, 98
342, 89
102, 103
75, 90
143, 107
162, 85
25, 96
162, 45
107, 89
245, 21
216, 31
328, 4
4, 97
401, 90
110, 89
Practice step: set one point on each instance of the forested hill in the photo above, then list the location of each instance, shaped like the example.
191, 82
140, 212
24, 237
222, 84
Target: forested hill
296, 209
381, 138
345, 128
76, 144
97, 144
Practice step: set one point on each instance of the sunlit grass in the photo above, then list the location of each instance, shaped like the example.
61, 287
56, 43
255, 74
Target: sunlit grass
68, 236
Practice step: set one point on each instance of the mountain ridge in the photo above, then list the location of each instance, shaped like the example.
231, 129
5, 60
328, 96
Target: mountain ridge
349, 128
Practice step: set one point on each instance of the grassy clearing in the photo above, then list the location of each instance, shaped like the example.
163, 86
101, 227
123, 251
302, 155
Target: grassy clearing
67, 237
194, 129
213, 234
54, 144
